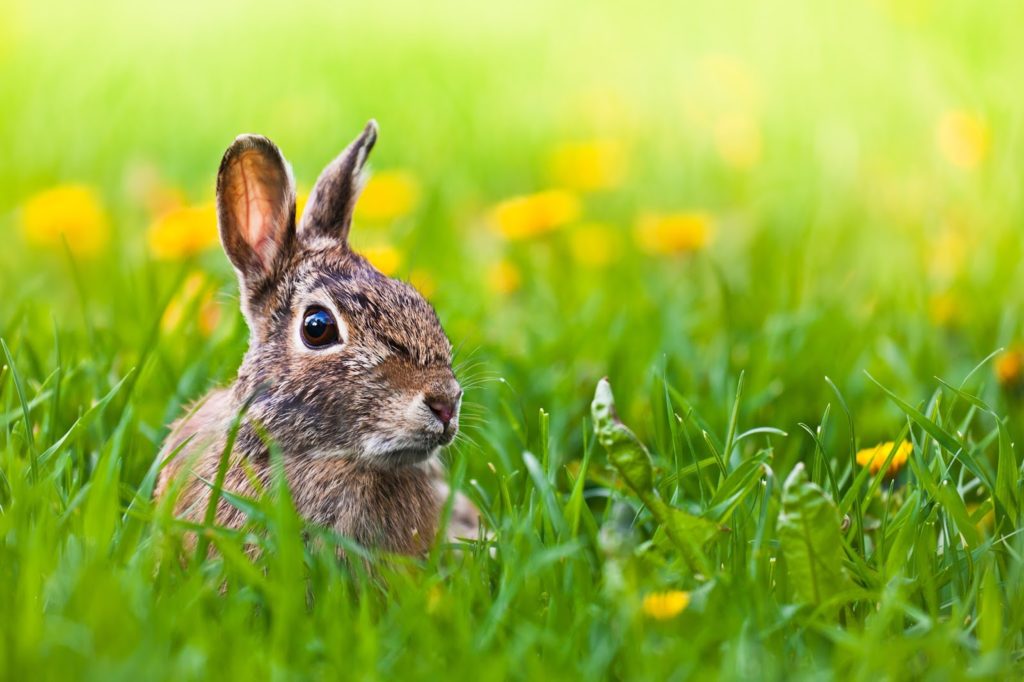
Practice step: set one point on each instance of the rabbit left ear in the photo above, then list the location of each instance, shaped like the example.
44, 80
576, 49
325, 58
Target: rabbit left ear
255, 206
333, 199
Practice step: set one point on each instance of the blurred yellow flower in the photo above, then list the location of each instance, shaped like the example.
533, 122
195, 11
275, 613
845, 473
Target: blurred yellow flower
535, 214
384, 257
196, 291
674, 233
875, 457
665, 605
1009, 367
183, 232
388, 195
588, 166
943, 308
503, 277
595, 244
963, 138
423, 281
738, 140
71, 212
300, 205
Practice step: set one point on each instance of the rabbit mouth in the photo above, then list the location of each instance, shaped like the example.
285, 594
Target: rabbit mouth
408, 456
420, 449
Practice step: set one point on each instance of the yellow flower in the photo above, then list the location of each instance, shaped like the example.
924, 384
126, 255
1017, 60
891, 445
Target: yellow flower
183, 232
595, 244
943, 308
300, 205
388, 195
71, 212
875, 457
674, 233
1009, 367
665, 605
588, 166
738, 140
196, 291
503, 277
423, 281
963, 138
384, 257
535, 214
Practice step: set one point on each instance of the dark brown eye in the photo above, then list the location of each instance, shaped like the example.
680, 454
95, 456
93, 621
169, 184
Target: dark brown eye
319, 328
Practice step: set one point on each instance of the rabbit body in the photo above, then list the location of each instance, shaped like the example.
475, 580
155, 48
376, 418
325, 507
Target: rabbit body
348, 371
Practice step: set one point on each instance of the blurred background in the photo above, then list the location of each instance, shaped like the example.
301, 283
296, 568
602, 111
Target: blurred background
648, 190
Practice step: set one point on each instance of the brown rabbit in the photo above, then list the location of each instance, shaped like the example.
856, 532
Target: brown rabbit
348, 371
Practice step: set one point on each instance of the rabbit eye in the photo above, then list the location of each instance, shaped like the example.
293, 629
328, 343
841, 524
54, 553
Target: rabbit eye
319, 328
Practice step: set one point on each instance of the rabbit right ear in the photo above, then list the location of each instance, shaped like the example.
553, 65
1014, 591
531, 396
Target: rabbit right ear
333, 199
255, 208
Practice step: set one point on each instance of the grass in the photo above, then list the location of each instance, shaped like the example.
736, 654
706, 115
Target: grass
863, 272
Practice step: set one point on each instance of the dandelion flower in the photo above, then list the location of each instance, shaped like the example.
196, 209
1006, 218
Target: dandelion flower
665, 605
384, 257
300, 205
183, 232
875, 457
535, 214
69, 212
943, 309
588, 166
594, 244
962, 138
1009, 367
503, 277
674, 233
388, 195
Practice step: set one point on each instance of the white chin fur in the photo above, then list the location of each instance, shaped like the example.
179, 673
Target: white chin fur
380, 454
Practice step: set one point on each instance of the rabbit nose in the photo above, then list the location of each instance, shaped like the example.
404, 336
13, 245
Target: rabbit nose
443, 409
444, 405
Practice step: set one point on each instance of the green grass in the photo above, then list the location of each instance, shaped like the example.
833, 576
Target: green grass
810, 317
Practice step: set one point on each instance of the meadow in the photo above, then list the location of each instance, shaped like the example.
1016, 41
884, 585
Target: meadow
780, 241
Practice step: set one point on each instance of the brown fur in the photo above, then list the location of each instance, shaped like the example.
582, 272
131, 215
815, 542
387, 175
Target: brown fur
354, 421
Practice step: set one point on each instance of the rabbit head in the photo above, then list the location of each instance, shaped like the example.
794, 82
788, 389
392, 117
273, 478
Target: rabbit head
342, 360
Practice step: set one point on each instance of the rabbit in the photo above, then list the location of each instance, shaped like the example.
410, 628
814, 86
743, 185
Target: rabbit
348, 371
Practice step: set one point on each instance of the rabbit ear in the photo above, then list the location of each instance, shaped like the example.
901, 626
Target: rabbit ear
329, 209
255, 207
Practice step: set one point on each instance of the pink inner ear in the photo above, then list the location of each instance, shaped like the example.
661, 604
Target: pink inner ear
255, 208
